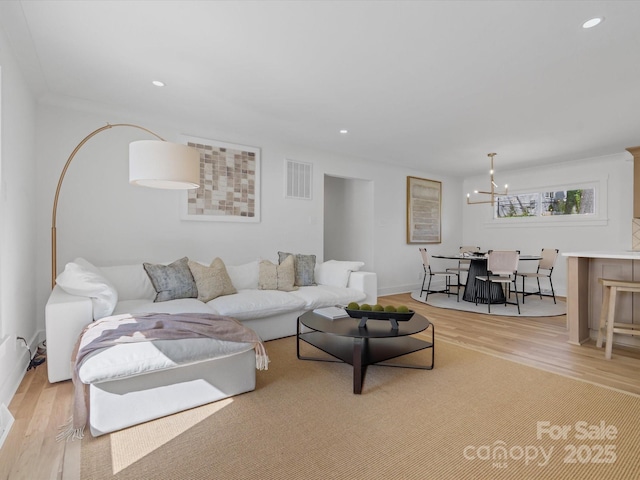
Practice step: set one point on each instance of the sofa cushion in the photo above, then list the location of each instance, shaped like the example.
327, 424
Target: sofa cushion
80, 277
328, 296
212, 281
131, 281
179, 305
130, 359
172, 281
244, 276
277, 277
336, 272
303, 265
249, 304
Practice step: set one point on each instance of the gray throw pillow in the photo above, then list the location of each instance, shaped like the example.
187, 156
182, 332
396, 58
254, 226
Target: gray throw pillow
304, 267
172, 281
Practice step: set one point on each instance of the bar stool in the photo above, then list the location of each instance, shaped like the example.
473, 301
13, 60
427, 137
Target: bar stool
608, 326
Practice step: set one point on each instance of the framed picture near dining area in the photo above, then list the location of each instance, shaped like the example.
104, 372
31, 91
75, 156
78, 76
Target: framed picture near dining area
424, 199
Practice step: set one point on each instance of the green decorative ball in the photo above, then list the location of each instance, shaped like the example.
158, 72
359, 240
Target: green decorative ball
378, 308
353, 306
390, 309
365, 306
403, 309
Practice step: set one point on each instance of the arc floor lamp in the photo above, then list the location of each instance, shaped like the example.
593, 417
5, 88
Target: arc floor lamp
152, 163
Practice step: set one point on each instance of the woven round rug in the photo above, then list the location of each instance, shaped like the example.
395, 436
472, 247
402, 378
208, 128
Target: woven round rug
534, 306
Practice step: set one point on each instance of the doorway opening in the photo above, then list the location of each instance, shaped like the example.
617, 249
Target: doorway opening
348, 220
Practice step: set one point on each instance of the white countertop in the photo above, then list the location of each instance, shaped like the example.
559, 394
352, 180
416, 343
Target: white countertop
624, 254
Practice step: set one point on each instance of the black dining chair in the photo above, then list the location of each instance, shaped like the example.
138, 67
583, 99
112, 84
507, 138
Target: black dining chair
463, 263
502, 268
430, 274
544, 270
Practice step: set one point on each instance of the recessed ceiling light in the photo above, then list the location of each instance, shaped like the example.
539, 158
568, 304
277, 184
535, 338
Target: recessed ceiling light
158, 83
592, 22
344, 132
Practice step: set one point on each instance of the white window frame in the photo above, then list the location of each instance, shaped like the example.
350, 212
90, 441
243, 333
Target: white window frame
599, 217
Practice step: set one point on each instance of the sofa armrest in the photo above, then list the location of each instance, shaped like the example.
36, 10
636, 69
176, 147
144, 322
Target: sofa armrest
366, 282
65, 317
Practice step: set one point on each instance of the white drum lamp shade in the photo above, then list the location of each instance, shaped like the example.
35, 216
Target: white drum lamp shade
161, 164
152, 163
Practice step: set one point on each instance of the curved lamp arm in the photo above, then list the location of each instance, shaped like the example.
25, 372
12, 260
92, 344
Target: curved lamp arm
62, 175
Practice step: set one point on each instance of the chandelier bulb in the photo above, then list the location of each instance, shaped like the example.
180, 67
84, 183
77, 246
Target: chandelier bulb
492, 193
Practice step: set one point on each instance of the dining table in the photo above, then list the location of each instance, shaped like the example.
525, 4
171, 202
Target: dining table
478, 267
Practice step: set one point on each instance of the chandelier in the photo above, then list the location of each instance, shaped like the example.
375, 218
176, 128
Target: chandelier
492, 191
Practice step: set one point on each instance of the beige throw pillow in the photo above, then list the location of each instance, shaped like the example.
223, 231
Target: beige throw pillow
277, 277
303, 265
212, 281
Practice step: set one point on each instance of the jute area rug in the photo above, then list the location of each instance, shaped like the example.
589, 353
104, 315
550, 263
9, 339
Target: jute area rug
474, 416
534, 306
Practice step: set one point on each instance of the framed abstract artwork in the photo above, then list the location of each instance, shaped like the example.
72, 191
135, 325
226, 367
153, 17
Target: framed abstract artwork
229, 183
424, 199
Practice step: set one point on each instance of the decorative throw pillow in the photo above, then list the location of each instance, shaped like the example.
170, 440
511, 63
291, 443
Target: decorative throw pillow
336, 272
172, 281
80, 277
303, 265
212, 281
244, 277
277, 277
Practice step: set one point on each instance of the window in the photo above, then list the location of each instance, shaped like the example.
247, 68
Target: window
566, 202
580, 202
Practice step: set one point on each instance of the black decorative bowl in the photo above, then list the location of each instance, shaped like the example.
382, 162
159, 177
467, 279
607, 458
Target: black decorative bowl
399, 317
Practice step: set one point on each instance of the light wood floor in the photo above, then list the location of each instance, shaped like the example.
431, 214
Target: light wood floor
31, 451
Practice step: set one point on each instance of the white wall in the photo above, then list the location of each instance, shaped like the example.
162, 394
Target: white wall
18, 195
615, 174
103, 218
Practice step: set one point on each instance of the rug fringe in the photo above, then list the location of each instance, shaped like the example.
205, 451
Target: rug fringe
67, 432
262, 359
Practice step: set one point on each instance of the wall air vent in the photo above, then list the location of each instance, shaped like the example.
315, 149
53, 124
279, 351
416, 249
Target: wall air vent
298, 180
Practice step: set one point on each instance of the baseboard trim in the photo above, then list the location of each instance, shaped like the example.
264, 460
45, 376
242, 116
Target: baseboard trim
6, 421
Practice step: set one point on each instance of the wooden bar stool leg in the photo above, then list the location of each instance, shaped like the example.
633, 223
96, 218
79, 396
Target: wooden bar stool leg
603, 316
610, 321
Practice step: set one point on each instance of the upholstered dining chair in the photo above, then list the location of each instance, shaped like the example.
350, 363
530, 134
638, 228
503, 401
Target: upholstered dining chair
430, 274
544, 270
463, 264
502, 268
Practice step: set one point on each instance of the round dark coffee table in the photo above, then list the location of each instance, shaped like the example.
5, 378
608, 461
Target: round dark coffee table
374, 343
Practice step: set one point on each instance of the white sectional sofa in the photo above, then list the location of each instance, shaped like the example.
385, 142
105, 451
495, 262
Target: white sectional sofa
128, 399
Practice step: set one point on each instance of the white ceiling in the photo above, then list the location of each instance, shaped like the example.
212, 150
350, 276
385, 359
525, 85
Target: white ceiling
434, 85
